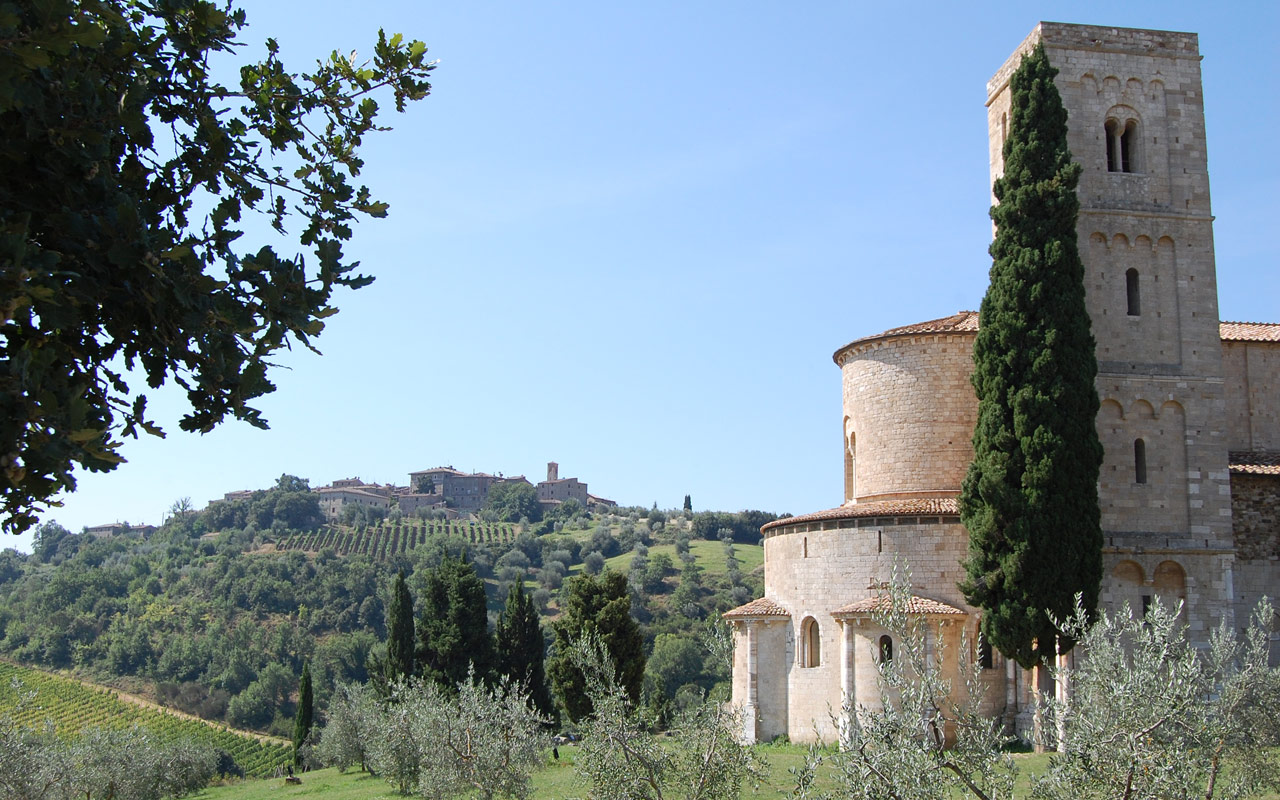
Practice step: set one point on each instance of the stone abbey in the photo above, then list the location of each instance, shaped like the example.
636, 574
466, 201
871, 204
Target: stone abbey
1189, 419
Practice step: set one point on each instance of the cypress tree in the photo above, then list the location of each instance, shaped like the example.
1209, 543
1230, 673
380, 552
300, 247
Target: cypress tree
1030, 498
303, 718
520, 649
603, 605
400, 632
453, 627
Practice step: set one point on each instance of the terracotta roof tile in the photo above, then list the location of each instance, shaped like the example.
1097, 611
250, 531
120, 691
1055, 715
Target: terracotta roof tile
762, 607
1249, 331
915, 605
960, 322
1254, 462
934, 507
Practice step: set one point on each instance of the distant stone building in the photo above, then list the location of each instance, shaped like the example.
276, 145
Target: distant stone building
462, 492
555, 490
333, 499
118, 528
1189, 419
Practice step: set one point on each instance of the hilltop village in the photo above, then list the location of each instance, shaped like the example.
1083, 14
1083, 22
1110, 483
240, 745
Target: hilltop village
446, 491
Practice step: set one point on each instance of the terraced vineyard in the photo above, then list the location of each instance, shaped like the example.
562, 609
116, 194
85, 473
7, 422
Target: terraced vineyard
73, 707
388, 539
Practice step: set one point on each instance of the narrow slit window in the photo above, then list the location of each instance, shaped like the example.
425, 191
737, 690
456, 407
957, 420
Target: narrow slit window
1139, 461
886, 649
1113, 156
1131, 292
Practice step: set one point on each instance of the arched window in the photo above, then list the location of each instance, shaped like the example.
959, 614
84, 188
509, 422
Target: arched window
1131, 292
810, 644
986, 657
1122, 145
1139, 461
886, 649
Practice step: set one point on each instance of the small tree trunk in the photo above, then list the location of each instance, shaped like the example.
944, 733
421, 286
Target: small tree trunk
1037, 710
1063, 690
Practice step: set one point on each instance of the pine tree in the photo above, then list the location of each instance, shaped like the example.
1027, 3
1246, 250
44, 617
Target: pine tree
601, 605
453, 627
302, 720
1030, 499
400, 632
520, 649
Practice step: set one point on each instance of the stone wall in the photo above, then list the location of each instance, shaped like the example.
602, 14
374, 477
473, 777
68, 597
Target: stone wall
909, 415
815, 568
1255, 517
1251, 372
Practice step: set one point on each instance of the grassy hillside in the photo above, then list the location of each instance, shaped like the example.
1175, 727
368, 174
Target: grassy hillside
710, 556
29, 697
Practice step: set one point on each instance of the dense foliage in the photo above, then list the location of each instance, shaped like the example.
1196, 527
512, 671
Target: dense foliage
596, 607
401, 640
119, 246
511, 501
1030, 498
521, 650
305, 715
453, 625
220, 624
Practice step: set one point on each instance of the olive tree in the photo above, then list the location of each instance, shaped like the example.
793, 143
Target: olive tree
100, 764
483, 740
700, 759
1152, 715
929, 738
354, 721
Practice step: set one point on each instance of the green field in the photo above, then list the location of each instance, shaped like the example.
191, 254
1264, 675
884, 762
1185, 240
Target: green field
708, 555
29, 697
555, 781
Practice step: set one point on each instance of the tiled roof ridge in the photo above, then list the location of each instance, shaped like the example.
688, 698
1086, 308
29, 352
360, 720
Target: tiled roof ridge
930, 507
760, 607
1249, 331
959, 322
967, 322
916, 604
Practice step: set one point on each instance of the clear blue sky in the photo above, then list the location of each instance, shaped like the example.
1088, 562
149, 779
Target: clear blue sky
628, 237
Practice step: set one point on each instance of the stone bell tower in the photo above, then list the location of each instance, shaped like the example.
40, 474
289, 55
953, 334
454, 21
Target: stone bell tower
1136, 125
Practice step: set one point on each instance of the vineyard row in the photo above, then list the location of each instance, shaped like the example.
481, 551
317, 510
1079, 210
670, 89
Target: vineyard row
29, 698
382, 541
